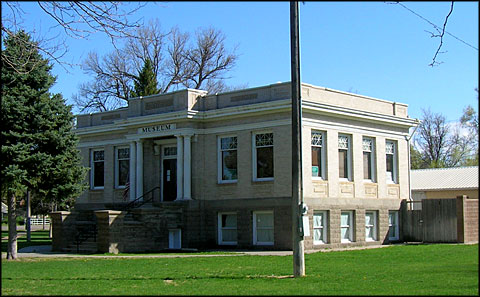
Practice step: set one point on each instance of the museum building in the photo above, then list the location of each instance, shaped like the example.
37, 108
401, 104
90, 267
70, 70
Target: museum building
193, 170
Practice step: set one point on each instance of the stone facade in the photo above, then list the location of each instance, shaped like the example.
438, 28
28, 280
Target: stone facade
194, 123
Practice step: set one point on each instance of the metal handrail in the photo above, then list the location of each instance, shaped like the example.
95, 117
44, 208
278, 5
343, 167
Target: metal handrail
85, 233
140, 200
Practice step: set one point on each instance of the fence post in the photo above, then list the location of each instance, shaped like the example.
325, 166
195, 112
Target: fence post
461, 218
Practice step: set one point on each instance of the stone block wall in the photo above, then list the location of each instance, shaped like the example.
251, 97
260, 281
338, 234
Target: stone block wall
63, 229
467, 220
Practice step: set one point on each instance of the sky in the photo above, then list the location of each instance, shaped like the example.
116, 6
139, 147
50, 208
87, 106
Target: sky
376, 49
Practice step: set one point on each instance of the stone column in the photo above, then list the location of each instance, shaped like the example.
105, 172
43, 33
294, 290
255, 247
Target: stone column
139, 180
187, 167
132, 173
109, 231
61, 229
179, 167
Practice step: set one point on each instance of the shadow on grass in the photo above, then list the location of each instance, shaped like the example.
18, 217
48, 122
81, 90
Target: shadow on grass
188, 277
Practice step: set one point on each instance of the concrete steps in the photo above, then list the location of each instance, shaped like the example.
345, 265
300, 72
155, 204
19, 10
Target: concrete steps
89, 246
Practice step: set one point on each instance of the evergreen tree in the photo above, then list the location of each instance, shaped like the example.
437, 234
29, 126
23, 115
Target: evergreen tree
146, 82
39, 148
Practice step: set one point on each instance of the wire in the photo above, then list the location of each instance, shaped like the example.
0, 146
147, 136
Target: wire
435, 26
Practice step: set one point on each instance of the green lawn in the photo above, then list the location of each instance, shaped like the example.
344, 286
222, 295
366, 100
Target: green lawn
398, 270
40, 237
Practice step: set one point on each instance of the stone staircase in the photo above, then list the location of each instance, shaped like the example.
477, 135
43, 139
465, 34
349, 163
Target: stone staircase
89, 246
84, 241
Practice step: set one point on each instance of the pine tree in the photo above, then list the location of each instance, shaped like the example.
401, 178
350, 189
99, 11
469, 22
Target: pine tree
39, 147
146, 82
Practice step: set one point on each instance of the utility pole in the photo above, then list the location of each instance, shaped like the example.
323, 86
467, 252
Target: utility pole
28, 227
297, 179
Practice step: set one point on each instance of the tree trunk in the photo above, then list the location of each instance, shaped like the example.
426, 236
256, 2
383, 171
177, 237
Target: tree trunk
12, 228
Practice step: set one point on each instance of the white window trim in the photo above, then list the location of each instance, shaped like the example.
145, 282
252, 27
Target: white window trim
255, 213
322, 155
323, 240
254, 158
394, 179
219, 160
117, 168
397, 229
349, 158
92, 170
220, 235
374, 226
350, 226
372, 160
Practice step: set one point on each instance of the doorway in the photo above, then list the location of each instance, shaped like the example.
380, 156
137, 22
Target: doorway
169, 173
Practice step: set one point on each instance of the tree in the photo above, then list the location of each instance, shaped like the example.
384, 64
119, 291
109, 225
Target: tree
79, 19
440, 32
146, 82
440, 145
177, 61
416, 161
469, 121
39, 151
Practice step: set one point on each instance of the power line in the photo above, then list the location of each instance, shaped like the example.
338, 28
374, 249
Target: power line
435, 26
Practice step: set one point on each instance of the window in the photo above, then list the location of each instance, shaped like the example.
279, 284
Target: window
346, 225
98, 168
320, 227
263, 228
344, 157
227, 159
227, 228
368, 159
371, 226
263, 156
393, 225
122, 165
391, 159
318, 155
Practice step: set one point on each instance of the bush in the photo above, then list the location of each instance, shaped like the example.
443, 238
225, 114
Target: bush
20, 220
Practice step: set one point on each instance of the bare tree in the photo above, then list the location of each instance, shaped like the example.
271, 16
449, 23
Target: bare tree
78, 19
441, 31
440, 144
208, 59
177, 60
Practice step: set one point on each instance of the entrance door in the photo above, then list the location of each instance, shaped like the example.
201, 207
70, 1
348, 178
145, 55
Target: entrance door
169, 179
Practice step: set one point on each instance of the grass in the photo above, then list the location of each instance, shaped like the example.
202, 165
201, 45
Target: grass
40, 237
443, 269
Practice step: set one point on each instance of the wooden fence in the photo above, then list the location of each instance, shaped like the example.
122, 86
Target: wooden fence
441, 221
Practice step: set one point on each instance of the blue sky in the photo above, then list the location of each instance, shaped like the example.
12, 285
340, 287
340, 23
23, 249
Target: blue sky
370, 48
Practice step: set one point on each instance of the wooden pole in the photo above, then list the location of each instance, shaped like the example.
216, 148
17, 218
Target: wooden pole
297, 184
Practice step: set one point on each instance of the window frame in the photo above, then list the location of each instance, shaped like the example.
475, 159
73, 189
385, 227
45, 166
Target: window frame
220, 159
92, 169
254, 156
221, 228
324, 239
374, 226
372, 159
255, 241
394, 179
348, 157
350, 226
323, 159
395, 226
117, 166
